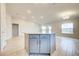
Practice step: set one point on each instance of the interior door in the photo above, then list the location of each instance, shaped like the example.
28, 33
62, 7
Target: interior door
15, 30
34, 43
44, 43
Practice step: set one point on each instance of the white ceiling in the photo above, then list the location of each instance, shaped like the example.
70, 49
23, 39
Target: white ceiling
41, 13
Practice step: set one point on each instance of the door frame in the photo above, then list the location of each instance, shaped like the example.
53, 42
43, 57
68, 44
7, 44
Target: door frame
17, 29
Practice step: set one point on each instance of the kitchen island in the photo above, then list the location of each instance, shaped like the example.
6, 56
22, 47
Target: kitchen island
40, 44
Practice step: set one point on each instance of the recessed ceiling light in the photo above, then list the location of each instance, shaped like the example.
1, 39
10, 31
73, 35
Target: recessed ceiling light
29, 11
23, 17
33, 17
42, 17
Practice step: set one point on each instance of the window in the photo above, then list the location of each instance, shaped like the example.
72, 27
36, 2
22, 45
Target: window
46, 29
49, 29
67, 28
43, 29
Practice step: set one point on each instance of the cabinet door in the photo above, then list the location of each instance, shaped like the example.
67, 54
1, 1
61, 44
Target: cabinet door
34, 43
44, 43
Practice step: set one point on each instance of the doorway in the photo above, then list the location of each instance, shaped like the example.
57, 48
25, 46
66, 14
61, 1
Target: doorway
15, 30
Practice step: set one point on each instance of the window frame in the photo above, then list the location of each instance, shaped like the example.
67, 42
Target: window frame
46, 29
63, 32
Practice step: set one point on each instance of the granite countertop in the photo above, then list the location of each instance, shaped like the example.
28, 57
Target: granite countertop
40, 33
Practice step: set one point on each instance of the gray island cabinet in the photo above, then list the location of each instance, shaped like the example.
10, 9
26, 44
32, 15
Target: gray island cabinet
40, 44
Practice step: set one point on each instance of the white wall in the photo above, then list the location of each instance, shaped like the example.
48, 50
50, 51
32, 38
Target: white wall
3, 25
26, 27
8, 27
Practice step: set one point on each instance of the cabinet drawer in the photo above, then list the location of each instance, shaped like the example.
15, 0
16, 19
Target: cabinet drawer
33, 36
44, 36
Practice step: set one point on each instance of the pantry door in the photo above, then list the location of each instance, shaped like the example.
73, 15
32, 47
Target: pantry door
15, 30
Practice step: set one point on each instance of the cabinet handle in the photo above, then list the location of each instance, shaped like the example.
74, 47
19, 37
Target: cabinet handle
39, 41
